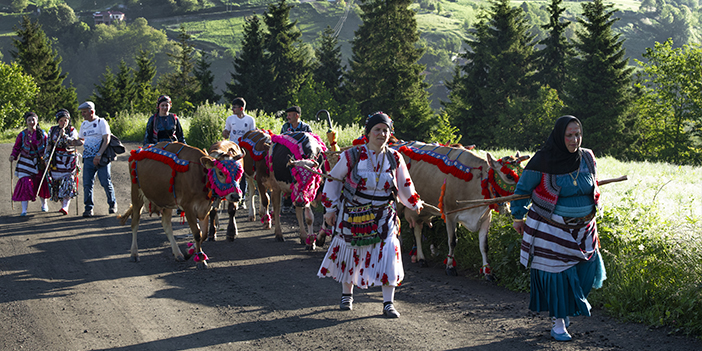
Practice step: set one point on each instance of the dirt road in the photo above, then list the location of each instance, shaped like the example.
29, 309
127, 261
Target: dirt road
66, 283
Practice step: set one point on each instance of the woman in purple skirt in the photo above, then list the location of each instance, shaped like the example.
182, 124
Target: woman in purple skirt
28, 151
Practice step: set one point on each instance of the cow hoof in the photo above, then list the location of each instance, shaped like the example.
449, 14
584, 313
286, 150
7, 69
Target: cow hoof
310, 247
252, 218
279, 238
134, 259
231, 238
451, 271
202, 264
212, 237
180, 258
490, 278
423, 263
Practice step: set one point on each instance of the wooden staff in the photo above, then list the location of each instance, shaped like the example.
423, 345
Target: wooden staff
12, 181
46, 170
427, 205
486, 202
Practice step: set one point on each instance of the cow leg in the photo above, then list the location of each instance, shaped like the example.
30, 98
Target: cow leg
300, 214
482, 235
418, 227
452, 241
276, 215
166, 214
137, 204
198, 237
305, 218
250, 181
213, 221
232, 230
265, 202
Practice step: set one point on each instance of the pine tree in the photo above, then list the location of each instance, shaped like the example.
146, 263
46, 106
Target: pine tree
328, 69
205, 78
553, 59
600, 94
146, 96
384, 70
106, 95
288, 58
126, 87
181, 85
498, 72
252, 77
39, 60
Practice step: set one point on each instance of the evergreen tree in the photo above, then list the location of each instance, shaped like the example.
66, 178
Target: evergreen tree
126, 87
205, 78
553, 59
288, 58
252, 77
328, 69
498, 72
181, 85
107, 95
600, 94
384, 70
39, 60
146, 96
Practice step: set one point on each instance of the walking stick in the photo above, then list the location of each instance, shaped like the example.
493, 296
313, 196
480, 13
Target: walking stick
78, 163
45, 171
485, 202
12, 181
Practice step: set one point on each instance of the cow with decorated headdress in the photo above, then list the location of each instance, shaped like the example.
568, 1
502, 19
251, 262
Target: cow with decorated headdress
445, 174
168, 176
295, 161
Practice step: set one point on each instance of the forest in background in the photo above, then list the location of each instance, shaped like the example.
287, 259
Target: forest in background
216, 28
502, 73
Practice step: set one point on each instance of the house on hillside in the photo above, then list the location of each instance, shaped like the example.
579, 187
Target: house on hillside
108, 17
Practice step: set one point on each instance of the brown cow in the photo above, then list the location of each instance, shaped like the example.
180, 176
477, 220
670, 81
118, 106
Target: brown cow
257, 143
167, 176
466, 176
225, 151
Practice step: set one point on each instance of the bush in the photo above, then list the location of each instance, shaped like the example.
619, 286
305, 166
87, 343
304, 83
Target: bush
128, 126
206, 125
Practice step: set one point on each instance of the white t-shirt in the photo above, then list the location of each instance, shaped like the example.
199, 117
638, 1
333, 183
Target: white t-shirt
92, 132
237, 127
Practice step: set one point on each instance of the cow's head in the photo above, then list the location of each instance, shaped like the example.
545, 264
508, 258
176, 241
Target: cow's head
223, 177
504, 174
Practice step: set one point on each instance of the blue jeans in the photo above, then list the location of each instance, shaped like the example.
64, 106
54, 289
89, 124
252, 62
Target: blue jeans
104, 174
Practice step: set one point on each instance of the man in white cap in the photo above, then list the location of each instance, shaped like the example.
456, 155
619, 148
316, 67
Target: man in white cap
95, 133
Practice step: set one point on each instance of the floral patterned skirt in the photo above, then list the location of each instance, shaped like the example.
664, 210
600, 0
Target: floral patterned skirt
369, 265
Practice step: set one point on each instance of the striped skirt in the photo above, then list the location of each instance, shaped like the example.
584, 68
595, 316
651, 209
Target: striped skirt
565, 263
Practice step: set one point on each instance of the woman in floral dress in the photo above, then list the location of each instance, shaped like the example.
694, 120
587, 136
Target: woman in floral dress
64, 138
28, 151
365, 250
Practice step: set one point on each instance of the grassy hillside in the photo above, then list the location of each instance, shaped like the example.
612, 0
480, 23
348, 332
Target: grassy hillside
217, 29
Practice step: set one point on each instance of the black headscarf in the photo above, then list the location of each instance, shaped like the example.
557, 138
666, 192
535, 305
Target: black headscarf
554, 157
376, 118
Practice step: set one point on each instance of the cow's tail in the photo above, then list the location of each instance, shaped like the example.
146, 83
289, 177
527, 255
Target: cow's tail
124, 217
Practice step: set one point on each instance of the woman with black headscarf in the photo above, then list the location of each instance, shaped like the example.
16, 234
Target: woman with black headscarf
163, 125
559, 237
29, 151
64, 138
361, 210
